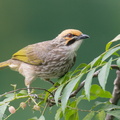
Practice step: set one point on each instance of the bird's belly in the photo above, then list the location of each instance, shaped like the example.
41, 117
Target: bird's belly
54, 69
47, 70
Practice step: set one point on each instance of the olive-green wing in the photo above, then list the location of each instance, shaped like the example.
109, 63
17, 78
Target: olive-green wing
27, 55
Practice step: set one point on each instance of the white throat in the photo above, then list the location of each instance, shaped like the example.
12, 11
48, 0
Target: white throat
75, 46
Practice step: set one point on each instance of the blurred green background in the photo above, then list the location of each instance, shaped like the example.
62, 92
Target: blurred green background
24, 22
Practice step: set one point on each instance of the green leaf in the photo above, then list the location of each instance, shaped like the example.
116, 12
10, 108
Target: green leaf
2, 110
118, 62
67, 91
101, 115
104, 72
70, 113
47, 93
114, 40
4, 104
79, 68
116, 54
41, 117
89, 116
109, 107
96, 91
82, 65
95, 61
84, 70
88, 82
10, 95
97, 103
110, 52
58, 114
58, 92
108, 45
115, 113
22, 92
65, 78
33, 118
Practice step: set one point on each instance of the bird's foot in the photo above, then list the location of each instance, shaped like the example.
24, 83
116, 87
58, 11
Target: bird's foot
35, 96
33, 99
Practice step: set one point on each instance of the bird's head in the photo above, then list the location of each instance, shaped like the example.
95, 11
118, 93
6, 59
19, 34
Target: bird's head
71, 38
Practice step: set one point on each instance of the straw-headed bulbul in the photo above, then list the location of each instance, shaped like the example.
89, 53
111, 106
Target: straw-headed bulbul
48, 59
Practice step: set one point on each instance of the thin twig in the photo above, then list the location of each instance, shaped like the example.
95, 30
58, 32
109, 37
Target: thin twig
26, 89
80, 109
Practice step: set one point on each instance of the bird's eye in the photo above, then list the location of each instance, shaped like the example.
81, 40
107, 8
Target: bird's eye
70, 35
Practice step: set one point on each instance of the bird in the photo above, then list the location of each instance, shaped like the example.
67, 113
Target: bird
48, 59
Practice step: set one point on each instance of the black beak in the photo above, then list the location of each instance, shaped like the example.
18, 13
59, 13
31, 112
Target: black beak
83, 36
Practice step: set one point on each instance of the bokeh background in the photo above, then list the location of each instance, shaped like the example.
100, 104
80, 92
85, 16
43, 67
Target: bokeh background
24, 22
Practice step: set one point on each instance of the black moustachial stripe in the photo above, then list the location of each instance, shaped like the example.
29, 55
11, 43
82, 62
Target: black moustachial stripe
71, 42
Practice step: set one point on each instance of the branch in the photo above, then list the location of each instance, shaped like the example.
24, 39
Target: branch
116, 93
115, 67
74, 93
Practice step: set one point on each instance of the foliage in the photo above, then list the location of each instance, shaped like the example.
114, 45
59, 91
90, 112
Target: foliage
69, 87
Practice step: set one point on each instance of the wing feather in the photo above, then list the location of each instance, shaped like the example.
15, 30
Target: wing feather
28, 55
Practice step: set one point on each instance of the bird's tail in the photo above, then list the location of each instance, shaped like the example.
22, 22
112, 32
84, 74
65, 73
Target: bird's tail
4, 64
